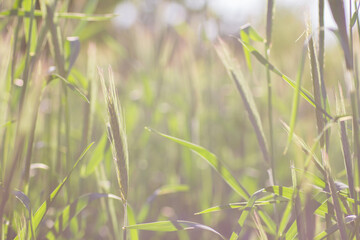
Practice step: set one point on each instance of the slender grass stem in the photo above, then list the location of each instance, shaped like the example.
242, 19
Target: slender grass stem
270, 11
26, 73
272, 176
125, 222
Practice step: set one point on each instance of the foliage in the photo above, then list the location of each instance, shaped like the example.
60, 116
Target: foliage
272, 160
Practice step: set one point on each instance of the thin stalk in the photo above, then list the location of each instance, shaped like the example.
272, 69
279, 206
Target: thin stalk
109, 204
269, 19
321, 53
355, 105
9, 107
59, 161
356, 137
270, 10
125, 222
13, 57
27, 58
350, 32
60, 64
34, 59
19, 137
20, 142
333, 191
86, 119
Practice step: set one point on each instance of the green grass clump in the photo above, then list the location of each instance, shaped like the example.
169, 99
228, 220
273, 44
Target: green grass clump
275, 137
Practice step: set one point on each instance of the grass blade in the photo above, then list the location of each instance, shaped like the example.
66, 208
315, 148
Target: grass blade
246, 212
326, 233
235, 74
64, 15
295, 103
238, 206
24, 199
338, 12
303, 92
269, 21
173, 226
307, 149
72, 210
213, 161
248, 33
167, 189
321, 54
346, 147
132, 221
42, 210
96, 158
317, 90
72, 50
334, 195
73, 87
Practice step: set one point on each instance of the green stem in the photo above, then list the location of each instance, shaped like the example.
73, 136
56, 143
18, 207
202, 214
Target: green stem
125, 222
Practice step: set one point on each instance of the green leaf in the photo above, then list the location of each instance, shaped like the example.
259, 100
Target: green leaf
24, 199
96, 157
235, 74
132, 221
248, 33
307, 149
42, 210
324, 234
247, 210
73, 87
30, 26
315, 76
314, 205
238, 206
303, 92
167, 189
90, 8
213, 161
7, 124
317, 181
285, 192
65, 15
73, 49
251, 33
354, 18
338, 12
268, 220
285, 218
173, 226
295, 103
72, 210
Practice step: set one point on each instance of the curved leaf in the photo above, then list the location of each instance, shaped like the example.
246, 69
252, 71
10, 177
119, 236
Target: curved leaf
42, 210
66, 15
213, 161
246, 212
167, 189
173, 226
235, 74
72, 210
324, 234
303, 92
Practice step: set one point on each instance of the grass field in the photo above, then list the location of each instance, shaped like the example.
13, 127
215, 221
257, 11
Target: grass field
163, 130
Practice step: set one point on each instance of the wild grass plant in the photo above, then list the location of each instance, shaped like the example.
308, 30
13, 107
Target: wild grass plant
252, 136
